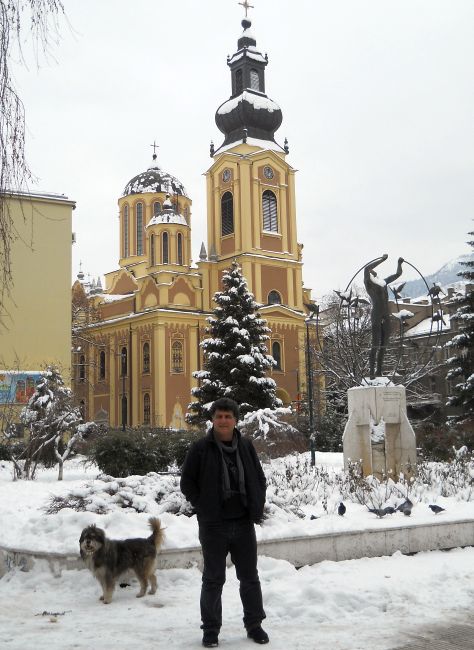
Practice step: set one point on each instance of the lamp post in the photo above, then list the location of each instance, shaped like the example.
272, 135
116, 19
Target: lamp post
314, 311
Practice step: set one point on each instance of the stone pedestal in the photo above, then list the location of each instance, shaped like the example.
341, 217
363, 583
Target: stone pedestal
378, 432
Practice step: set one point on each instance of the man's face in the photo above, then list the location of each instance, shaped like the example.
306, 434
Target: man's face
224, 423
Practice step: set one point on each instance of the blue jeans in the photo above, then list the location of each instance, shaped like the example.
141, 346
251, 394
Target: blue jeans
237, 537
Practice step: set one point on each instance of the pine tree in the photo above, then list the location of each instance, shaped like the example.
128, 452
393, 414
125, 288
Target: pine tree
235, 354
463, 344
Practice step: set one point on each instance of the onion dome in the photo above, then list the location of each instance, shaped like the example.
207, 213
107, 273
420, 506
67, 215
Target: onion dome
168, 215
249, 113
154, 179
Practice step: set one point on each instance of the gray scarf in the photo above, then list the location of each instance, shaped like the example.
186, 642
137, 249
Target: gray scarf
225, 449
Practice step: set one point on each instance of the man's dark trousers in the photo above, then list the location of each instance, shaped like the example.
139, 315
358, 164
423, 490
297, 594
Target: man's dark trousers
237, 537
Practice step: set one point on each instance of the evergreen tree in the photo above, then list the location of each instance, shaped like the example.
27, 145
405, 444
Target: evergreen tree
235, 355
463, 343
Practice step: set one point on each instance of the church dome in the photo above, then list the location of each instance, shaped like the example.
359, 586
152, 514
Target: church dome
251, 110
154, 179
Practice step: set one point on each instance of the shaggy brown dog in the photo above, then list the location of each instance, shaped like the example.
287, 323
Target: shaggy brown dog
108, 558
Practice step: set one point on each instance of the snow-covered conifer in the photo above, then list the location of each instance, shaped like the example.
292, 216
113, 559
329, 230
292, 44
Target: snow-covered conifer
462, 362
235, 354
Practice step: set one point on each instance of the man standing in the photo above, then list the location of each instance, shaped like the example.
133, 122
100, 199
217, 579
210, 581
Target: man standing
223, 480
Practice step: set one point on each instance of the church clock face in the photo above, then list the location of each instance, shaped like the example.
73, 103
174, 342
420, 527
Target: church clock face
226, 175
268, 172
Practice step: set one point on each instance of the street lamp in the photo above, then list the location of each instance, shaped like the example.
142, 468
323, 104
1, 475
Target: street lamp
313, 309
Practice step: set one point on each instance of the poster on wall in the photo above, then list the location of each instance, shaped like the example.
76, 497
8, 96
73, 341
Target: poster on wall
17, 387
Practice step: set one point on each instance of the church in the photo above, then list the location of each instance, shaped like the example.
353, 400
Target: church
139, 336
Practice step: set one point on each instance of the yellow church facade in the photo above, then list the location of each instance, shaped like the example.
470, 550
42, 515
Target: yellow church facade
139, 337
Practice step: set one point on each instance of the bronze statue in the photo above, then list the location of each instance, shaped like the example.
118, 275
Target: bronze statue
380, 317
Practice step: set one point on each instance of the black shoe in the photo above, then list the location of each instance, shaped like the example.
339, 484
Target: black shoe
258, 635
210, 639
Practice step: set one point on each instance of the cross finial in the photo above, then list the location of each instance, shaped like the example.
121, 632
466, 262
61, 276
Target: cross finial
155, 147
245, 4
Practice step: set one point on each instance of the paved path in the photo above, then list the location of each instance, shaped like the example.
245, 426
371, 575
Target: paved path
452, 637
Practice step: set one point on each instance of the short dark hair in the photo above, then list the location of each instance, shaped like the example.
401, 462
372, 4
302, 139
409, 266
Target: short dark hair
225, 404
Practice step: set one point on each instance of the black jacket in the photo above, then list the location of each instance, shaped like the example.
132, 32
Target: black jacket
201, 478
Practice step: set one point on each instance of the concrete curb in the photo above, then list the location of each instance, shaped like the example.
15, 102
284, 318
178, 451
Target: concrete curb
300, 551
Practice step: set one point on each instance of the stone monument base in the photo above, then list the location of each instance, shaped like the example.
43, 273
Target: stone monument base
378, 433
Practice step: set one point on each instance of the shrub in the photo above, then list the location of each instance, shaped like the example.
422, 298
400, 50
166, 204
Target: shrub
11, 449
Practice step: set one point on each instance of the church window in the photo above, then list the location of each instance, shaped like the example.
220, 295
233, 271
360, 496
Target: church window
146, 408
156, 208
274, 298
126, 232
179, 244
146, 357
123, 362
102, 365
254, 80
269, 209
165, 248
227, 214
139, 222
276, 354
177, 356
82, 368
152, 250
239, 82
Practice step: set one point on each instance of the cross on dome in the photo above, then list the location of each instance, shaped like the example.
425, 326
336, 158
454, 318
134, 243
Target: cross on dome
245, 4
155, 147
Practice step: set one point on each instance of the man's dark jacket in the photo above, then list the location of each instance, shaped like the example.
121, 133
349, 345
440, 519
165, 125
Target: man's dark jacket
202, 481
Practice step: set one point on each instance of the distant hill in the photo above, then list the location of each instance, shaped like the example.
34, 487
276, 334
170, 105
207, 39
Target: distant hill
447, 275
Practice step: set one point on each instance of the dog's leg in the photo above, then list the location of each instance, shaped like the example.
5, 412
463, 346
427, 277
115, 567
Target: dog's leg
108, 585
142, 579
154, 583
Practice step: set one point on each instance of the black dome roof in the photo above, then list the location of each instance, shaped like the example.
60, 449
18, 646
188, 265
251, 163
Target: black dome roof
154, 179
251, 110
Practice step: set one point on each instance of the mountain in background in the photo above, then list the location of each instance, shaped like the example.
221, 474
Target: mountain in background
446, 275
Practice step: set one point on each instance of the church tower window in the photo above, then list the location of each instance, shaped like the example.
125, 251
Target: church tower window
179, 244
254, 80
146, 358
152, 250
139, 224
274, 298
126, 232
276, 354
156, 208
227, 214
165, 256
177, 357
270, 213
239, 82
146, 408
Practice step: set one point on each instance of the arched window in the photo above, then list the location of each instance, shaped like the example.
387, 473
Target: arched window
165, 256
276, 354
146, 357
156, 208
123, 362
274, 298
152, 250
239, 84
126, 232
254, 80
179, 244
139, 224
146, 408
102, 365
227, 214
82, 368
269, 209
177, 361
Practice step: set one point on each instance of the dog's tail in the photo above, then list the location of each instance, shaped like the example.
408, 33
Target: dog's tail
158, 534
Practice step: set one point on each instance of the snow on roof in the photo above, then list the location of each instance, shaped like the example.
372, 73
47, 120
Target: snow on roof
427, 326
113, 297
265, 145
259, 102
251, 52
168, 217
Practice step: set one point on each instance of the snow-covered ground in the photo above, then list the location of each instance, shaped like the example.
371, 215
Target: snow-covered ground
369, 603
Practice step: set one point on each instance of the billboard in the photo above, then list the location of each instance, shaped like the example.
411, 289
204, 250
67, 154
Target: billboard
16, 387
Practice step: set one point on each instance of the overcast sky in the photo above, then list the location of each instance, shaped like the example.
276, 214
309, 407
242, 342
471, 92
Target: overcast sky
377, 99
